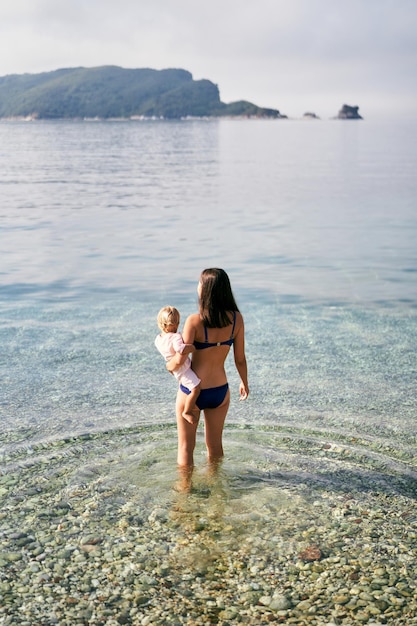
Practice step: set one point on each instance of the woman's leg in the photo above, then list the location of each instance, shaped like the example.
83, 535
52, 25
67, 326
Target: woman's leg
186, 433
214, 422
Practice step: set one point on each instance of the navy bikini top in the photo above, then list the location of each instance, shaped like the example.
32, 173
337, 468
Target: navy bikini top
200, 345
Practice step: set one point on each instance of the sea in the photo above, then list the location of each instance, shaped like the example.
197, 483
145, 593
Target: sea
104, 222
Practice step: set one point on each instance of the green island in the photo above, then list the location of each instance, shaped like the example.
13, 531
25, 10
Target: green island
109, 92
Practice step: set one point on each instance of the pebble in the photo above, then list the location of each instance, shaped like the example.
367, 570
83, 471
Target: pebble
203, 559
280, 603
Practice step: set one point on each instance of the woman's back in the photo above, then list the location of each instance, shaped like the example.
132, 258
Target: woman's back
212, 347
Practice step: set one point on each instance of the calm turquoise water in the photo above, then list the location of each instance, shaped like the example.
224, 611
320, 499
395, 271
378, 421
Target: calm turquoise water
104, 223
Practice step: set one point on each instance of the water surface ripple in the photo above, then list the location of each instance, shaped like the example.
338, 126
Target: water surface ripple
101, 225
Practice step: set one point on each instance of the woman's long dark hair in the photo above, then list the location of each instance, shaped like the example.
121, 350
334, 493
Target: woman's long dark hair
216, 298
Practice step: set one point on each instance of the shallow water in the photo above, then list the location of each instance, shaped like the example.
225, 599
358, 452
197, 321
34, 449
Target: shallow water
101, 225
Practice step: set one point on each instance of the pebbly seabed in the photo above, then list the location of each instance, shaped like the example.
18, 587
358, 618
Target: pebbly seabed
92, 549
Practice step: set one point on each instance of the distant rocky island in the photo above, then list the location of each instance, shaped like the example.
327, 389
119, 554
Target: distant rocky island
348, 112
113, 92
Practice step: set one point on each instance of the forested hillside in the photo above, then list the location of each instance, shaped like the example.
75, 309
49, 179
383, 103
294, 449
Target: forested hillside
114, 92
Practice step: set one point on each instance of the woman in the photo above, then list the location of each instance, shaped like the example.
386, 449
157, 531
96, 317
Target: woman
217, 327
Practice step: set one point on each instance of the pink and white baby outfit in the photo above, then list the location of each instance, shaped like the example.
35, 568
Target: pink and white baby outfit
168, 345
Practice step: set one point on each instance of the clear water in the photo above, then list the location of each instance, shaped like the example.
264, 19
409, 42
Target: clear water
103, 223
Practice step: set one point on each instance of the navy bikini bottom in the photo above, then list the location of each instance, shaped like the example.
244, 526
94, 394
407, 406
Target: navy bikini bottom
209, 398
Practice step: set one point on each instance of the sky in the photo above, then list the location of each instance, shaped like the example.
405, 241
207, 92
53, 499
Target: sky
291, 55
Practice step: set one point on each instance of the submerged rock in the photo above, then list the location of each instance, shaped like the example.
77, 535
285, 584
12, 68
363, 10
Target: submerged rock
280, 602
312, 553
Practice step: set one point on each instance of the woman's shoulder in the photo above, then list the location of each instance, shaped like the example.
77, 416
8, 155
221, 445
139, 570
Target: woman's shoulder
191, 327
238, 315
238, 321
193, 320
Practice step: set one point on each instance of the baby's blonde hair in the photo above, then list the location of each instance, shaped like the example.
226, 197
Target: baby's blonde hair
168, 316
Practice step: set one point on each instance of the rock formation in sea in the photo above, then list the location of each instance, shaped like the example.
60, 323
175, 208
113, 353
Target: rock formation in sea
348, 112
310, 116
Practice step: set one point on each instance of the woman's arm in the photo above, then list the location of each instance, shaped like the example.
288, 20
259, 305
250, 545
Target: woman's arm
240, 359
188, 333
176, 361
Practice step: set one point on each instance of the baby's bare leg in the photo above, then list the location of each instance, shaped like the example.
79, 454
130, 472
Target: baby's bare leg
189, 405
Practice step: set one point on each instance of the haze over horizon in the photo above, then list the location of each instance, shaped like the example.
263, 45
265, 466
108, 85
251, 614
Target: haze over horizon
298, 56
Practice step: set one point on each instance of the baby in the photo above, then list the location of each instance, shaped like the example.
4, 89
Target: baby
168, 343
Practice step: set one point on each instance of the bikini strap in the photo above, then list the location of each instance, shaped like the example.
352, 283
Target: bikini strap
233, 328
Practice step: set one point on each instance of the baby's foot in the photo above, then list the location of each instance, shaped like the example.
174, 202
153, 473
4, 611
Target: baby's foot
189, 417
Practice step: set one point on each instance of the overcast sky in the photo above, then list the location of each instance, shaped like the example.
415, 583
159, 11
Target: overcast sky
293, 55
